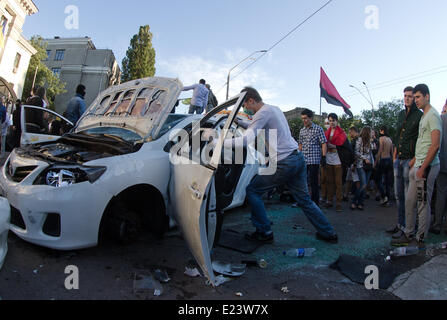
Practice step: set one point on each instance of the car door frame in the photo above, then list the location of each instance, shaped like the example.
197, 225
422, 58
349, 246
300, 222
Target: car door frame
34, 138
192, 191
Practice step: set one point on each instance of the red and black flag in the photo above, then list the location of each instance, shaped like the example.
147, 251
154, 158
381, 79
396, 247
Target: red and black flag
330, 93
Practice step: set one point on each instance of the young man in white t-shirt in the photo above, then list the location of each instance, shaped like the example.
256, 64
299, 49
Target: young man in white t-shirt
291, 170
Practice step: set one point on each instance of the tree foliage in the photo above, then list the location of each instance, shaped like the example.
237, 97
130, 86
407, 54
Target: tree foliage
386, 115
45, 77
140, 57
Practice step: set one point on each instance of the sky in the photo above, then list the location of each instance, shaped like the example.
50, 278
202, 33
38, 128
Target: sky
387, 44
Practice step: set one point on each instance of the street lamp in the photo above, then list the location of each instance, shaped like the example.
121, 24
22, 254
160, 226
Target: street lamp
370, 101
229, 73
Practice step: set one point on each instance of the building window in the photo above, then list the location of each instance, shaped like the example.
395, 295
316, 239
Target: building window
17, 63
59, 55
57, 72
48, 55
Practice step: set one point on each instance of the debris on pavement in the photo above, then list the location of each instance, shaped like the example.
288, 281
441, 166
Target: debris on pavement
253, 263
229, 269
285, 290
147, 284
239, 294
219, 281
193, 273
162, 276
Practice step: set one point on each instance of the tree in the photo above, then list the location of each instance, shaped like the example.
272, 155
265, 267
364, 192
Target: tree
140, 57
45, 77
386, 115
345, 122
296, 124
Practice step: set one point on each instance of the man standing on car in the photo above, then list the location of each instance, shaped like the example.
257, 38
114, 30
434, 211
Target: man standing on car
313, 145
200, 97
424, 169
407, 135
291, 170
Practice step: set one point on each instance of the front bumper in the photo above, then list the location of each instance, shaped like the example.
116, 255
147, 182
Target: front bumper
65, 218
4, 228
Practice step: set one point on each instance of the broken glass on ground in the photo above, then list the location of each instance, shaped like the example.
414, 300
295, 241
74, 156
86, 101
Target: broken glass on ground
146, 283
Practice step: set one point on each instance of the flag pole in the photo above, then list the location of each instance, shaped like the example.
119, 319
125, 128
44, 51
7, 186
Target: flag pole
320, 106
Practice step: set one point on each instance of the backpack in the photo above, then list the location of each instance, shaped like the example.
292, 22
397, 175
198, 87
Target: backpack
346, 153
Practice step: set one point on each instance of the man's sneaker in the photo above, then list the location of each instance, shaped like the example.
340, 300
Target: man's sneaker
398, 234
384, 201
403, 241
332, 239
260, 237
393, 230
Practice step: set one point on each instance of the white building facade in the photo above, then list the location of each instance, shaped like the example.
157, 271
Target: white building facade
15, 50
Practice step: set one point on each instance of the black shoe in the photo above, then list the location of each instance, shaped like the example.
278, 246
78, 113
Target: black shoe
260, 237
393, 231
345, 199
332, 239
403, 241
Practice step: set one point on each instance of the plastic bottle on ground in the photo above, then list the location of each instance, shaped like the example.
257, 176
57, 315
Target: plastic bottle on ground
404, 251
300, 253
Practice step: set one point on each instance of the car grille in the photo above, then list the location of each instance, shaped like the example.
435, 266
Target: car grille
17, 219
20, 174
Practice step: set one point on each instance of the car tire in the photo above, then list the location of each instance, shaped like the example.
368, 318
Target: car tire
124, 225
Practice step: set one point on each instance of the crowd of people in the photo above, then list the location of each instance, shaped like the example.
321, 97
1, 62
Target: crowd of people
406, 169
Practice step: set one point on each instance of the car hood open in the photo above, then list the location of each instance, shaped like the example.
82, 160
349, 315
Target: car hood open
140, 105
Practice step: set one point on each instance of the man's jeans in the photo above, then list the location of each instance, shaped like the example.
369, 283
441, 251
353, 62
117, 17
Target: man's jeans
195, 109
385, 173
291, 172
401, 184
313, 172
441, 200
419, 195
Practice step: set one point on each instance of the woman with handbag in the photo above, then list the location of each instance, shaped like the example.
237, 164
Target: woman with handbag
364, 162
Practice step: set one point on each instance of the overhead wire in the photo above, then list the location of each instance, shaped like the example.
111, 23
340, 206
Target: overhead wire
280, 41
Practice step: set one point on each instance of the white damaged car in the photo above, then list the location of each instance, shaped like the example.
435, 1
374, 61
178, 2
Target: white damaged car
115, 175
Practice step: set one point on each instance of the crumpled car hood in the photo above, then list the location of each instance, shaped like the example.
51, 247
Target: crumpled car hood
139, 105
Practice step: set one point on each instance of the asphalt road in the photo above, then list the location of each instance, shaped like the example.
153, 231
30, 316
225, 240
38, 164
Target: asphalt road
113, 272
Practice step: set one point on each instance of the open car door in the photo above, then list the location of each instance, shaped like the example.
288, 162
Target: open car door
42, 125
193, 189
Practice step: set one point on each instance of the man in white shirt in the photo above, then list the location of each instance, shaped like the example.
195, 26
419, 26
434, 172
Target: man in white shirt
291, 170
200, 97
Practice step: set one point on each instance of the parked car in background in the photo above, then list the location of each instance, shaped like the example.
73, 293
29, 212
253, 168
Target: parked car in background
113, 174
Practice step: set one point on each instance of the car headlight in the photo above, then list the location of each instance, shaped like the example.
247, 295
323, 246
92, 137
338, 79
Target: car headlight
59, 177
